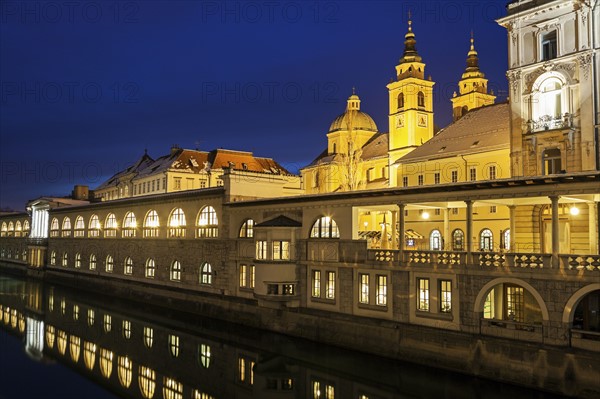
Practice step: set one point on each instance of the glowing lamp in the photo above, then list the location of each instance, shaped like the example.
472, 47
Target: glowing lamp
425, 215
574, 211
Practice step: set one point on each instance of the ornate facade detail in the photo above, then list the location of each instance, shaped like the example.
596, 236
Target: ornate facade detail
513, 80
585, 62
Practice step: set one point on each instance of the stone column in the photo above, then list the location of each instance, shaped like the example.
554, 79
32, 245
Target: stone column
555, 235
513, 225
592, 232
469, 229
394, 243
401, 208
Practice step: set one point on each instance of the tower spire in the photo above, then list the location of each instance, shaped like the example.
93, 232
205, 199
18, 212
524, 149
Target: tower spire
472, 57
410, 44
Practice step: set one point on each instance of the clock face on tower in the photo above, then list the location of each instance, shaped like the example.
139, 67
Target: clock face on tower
400, 120
422, 120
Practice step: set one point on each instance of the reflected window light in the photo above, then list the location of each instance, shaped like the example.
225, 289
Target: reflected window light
202, 395
322, 390
124, 371
61, 341
148, 337
174, 345
126, 329
106, 358
50, 335
6, 315
147, 381
21, 323
89, 354
74, 348
1, 313
204, 355
172, 389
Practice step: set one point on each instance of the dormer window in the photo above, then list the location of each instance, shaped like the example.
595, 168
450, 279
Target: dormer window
549, 46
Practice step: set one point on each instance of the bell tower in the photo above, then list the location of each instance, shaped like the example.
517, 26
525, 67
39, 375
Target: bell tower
410, 104
473, 89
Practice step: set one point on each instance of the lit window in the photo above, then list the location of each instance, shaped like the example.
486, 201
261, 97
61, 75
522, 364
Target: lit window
486, 240
77, 260
458, 238
129, 225
506, 239
325, 227
110, 226
381, 291
128, 267
245, 370
4, 229
91, 316
363, 288
110, 264
322, 390
151, 224
435, 241
107, 323
106, 359
94, 230
243, 276
89, 355
316, 283
53, 258
175, 274
54, 229
150, 268
445, 296
252, 275
75, 312
124, 371
204, 354
172, 389
126, 329
247, 229
202, 395
92, 262
65, 259
174, 345
423, 299
148, 337
208, 223
79, 227
206, 274
515, 303
281, 250
66, 227
330, 286
177, 224
489, 306
147, 381
261, 250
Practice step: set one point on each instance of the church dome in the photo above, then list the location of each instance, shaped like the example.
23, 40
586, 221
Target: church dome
362, 120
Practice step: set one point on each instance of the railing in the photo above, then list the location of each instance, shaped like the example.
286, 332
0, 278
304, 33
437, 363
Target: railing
532, 261
497, 259
548, 122
581, 262
383, 255
512, 329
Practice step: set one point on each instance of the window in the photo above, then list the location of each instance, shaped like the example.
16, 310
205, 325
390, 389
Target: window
243, 276
247, 229
79, 227
177, 183
316, 283
124, 371
146, 381
150, 268
492, 170
421, 99
174, 345
91, 317
261, 250
151, 224
420, 180
177, 224
551, 161
381, 291
92, 262
65, 259
128, 269
549, 46
400, 100
435, 241
493, 209
175, 274
77, 261
110, 226
245, 370
54, 230
330, 286
445, 296
281, 250
208, 223
405, 181
506, 239
325, 227
436, 178
515, 303
423, 298
252, 276
206, 274
363, 288
204, 355
94, 227
107, 323
322, 390
75, 312
486, 240
473, 174
66, 227
454, 176
129, 225
458, 239
148, 337
110, 263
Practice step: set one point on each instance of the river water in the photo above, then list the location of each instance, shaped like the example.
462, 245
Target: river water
62, 343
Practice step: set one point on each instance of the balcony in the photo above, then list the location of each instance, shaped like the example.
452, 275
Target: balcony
548, 122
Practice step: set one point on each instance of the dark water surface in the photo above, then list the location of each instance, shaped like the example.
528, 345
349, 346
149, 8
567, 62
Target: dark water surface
60, 343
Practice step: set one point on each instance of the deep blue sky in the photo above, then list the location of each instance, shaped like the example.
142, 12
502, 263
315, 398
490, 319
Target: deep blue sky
85, 88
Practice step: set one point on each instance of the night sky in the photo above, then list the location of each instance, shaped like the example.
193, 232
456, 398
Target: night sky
87, 86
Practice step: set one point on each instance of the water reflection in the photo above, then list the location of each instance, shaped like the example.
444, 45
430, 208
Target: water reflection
139, 351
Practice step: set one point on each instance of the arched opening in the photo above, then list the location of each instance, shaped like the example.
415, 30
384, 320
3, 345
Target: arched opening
208, 223
325, 227
247, 229
586, 316
177, 223
458, 240
421, 99
400, 100
435, 241
486, 240
511, 300
151, 224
